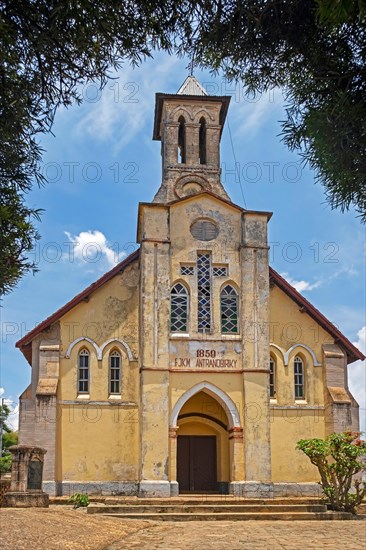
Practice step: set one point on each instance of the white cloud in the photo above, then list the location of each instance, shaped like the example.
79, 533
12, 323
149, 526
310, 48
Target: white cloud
92, 247
346, 270
253, 114
13, 419
301, 286
119, 112
357, 378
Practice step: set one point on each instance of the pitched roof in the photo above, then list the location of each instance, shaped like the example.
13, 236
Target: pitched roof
352, 352
191, 86
77, 299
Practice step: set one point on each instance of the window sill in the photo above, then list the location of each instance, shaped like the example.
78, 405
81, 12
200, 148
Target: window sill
177, 335
83, 396
230, 337
301, 402
114, 396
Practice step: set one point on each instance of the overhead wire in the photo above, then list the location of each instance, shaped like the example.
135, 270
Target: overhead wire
236, 163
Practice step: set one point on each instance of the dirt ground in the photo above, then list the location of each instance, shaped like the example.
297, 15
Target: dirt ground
61, 527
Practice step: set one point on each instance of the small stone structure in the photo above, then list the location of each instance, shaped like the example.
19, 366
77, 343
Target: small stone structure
26, 478
4, 488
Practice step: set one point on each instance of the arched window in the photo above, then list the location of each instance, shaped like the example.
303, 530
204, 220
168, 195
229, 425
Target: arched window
272, 378
299, 378
202, 142
179, 308
229, 310
182, 140
115, 361
83, 371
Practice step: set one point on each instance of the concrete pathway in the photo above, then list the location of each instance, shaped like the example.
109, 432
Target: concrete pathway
248, 535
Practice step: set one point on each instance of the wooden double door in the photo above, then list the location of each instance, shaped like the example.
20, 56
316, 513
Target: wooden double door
196, 463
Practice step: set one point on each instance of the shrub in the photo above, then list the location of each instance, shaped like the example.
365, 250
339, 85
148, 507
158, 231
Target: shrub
338, 458
79, 500
5, 463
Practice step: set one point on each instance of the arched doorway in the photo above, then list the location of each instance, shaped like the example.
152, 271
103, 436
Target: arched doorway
202, 412
203, 454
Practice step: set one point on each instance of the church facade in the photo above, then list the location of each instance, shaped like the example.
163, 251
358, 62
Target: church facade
191, 366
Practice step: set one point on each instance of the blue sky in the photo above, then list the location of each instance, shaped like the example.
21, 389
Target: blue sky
102, 161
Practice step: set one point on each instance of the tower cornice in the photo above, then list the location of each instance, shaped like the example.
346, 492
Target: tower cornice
181, 99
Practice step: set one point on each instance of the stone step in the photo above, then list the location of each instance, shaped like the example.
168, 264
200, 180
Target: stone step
238, 516
203, 508
191, 500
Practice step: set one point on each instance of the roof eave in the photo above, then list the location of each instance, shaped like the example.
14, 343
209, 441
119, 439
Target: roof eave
26, 340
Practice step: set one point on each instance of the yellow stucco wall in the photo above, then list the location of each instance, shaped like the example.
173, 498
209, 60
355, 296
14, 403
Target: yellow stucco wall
98, 434
287, 427
293, 420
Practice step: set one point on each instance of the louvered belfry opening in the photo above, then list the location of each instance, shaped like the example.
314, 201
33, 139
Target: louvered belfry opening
189, 124
182, 140
202, 142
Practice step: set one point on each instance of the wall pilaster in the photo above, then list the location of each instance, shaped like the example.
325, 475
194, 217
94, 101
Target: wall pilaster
154, 358
255, 342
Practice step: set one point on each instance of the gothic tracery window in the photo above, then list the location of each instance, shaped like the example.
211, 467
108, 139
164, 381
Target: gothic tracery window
179, 308
204, 292
220, 271
187, 270
229, 310
83, 371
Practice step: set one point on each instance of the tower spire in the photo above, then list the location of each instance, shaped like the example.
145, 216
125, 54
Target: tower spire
191, 86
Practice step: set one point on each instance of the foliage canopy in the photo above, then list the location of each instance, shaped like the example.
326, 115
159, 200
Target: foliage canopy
338, 458
9, 438
314, 50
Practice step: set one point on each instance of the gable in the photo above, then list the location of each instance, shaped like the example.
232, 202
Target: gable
205, 216
82, 297
110, 311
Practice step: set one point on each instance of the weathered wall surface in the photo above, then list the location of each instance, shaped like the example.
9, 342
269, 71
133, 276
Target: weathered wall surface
294, 333
97, 436
287, 427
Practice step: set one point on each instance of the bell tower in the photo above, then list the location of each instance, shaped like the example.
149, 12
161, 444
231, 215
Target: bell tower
189, 125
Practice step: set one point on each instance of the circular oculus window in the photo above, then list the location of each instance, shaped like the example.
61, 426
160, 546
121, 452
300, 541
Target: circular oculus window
204, 230
191, 188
